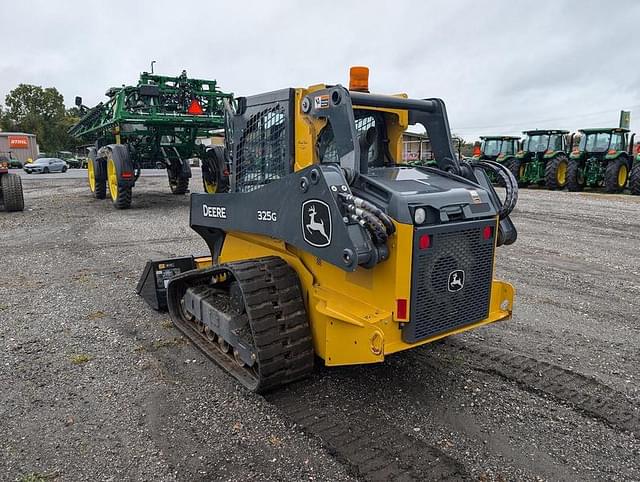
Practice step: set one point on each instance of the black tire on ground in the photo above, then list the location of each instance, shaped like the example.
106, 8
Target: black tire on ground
213, 169
100, 189
634, 179
64, 168
45, 170
575, 178
179, 185
616, 175
11, 185
123, 199
556, 171
515, 166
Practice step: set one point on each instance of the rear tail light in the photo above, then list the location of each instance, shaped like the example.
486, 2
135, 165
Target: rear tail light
424, 242
487, 233
127, 175
401, 308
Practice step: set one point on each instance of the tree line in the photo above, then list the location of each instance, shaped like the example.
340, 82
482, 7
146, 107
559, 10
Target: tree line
40, 111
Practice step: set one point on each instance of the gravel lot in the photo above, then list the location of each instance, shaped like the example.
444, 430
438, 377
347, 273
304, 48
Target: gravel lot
95, 385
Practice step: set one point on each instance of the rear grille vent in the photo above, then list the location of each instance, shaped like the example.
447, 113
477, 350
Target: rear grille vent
459, 254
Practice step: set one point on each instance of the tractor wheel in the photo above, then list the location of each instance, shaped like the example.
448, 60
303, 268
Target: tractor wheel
575, 176
555, 172
120, 196
634, 179
213, 171
616, 175
178, 185
12, 192
517, 168
98, 188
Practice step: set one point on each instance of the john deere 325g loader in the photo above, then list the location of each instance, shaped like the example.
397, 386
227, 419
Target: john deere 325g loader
325, 244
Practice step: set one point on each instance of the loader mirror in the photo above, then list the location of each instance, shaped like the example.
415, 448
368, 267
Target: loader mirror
78, 101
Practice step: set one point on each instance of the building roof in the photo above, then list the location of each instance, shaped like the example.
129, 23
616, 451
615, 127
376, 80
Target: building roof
417, 135
545, 131
4, 133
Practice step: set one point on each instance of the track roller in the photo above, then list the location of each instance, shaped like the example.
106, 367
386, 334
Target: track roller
247, 316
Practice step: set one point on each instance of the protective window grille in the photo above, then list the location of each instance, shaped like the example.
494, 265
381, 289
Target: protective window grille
328, 151
261, 152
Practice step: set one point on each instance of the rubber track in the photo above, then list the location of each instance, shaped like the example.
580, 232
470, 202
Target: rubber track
278, 319
372, 448
584, 393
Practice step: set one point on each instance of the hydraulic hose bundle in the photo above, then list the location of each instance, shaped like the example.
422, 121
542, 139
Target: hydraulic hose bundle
377, 223
508, 180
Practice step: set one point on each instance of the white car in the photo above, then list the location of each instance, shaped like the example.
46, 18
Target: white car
45, 165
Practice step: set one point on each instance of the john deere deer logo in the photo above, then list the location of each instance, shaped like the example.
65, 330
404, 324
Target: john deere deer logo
316, 223
456, 280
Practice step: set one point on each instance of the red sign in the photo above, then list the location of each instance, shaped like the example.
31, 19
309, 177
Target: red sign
18, 142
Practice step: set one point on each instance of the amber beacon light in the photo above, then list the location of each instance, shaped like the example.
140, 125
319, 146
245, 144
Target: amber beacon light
359, 79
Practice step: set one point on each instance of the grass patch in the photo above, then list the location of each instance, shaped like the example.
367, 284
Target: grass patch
96, 315
80, 359
34, 477
167, 324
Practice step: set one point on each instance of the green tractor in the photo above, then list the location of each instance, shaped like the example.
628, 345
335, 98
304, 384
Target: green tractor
634, 177
543, 159
501, 149
157, 122
603, 158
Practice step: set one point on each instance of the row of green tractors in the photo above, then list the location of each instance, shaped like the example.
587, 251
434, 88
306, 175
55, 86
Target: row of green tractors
602, 157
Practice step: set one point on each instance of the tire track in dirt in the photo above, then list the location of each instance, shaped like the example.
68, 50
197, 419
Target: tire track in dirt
582, 392
374, 450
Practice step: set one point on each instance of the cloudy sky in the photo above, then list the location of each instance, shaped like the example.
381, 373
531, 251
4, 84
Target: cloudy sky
500, 66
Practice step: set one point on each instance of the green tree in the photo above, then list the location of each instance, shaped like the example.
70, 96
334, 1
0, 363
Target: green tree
30, 108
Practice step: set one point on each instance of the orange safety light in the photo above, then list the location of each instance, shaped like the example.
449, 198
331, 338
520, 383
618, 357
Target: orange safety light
359, 79
476, 150
195, 108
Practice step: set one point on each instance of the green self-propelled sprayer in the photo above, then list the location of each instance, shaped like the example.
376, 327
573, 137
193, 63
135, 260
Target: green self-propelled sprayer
156, 122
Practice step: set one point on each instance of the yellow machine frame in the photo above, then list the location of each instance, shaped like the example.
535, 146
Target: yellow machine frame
353, 315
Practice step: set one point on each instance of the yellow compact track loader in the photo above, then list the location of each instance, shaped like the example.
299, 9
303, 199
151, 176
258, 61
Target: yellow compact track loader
325, 244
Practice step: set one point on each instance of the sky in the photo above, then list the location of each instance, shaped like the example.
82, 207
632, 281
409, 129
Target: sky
500, 66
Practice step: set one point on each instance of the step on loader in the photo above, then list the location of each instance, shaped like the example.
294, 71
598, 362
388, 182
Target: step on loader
326, 244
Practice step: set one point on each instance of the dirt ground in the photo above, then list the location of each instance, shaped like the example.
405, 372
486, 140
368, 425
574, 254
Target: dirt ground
94, 385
